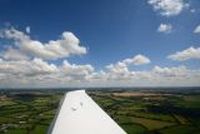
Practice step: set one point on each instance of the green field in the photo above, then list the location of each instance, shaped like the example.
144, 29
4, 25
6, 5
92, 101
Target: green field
137, 112
27, 113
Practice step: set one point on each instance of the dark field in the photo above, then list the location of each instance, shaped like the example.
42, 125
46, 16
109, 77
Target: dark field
137, 111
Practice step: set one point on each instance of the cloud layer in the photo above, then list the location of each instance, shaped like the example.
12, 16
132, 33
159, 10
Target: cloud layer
29, 63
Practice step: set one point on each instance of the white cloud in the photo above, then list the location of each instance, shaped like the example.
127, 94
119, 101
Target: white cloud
28, 61
197, 30
165, 28
13, 54
116, 72
27, 68
137, 60
120, 69
28, 29
189, 53
180, 71
38, 71
68, 45
158, 76
168, 7
175, 76
76, 70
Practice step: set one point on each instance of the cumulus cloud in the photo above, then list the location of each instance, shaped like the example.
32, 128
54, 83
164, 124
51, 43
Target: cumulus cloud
180, 71
13, 54
168, 7
197, 30
189, 53
165, 28
117, 68
120, 69
26, 68
27, 61
66, 46
175, 76
157, 76
120, 74
137, 60
41, 71
76, 70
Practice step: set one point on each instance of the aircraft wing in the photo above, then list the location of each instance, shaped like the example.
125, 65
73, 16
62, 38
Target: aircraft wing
79, 114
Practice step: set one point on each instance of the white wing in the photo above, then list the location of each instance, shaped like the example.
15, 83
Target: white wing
79, 114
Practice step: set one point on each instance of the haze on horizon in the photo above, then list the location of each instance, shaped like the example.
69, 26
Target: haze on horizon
99, 43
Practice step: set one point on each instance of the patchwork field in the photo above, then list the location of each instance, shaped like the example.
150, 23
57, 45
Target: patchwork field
141, 112
137, 111
27, 113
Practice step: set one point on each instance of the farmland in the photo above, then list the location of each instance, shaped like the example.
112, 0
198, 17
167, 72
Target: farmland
136, 111
141, 112
27, 113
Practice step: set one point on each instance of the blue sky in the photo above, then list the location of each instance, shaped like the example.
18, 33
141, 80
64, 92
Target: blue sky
110, 30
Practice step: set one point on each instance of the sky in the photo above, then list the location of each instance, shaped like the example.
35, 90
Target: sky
92, 43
